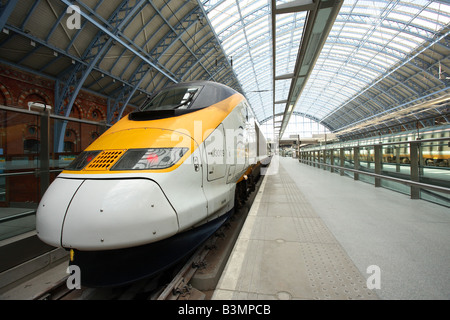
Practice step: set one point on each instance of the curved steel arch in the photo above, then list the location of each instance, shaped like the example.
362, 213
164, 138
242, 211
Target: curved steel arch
263, 11
294, 113
402, 81
140, 73
383, 79
393, 71
78, 75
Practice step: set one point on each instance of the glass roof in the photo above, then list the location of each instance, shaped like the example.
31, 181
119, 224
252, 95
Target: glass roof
366, 41
243, 28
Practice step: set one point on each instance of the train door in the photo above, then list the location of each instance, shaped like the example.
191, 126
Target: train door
215, 154
214, 186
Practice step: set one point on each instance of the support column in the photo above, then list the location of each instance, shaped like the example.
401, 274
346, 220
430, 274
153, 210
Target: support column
319, 158
356, 162
377, 156
44, 154
342, 160
314, 158
421, 159
332, 160
397, 159
414, 156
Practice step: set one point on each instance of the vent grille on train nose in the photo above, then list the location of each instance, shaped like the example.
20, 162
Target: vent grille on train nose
105, 160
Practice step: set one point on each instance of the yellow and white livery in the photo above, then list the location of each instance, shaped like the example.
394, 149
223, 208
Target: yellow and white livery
161, 179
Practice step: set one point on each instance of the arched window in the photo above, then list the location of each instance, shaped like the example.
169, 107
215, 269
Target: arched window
69, 146
69, 140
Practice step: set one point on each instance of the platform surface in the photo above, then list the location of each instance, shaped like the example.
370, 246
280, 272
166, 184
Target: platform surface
311, 234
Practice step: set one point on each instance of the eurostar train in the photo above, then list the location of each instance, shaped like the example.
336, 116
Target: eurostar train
155, 185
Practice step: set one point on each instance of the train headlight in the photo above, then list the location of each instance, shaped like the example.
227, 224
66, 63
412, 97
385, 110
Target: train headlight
149, 159
82, 160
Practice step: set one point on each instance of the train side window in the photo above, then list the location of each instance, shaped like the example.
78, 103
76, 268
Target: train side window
173, 98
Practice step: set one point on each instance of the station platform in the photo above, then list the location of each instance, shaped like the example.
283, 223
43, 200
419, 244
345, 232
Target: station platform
311, 234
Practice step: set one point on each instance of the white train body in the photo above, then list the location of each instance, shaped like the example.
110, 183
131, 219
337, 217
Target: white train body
106, 201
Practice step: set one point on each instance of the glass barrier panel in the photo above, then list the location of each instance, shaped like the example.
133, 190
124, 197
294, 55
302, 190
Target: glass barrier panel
395, 186
349, 158
19, 160
394, 162
436, 197
434, 169
366, 158
328, 157
20, 164
348, 163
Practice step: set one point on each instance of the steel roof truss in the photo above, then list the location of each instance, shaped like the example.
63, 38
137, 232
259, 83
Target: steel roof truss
5, 11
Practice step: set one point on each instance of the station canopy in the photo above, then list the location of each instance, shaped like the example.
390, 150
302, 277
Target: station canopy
351, 65
383, 63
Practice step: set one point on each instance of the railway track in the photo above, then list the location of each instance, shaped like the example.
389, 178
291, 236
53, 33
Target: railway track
58, 292
173, 284
149, 289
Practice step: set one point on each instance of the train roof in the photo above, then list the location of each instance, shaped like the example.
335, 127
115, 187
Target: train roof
182, 98
210, 92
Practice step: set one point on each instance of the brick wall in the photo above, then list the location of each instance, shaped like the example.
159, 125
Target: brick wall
19, 131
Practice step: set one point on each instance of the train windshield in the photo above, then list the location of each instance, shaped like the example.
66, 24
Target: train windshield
170, 99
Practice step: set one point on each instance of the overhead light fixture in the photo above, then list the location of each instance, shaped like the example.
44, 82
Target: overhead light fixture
290, 107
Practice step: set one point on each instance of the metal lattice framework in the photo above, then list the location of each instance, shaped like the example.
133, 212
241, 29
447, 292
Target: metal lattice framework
243, 30
383, 63
380, 57
123, 50
386, 58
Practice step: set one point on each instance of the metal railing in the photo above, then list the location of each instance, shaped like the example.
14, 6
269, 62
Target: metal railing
18, 216
349, 146
380, 176
307, 154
